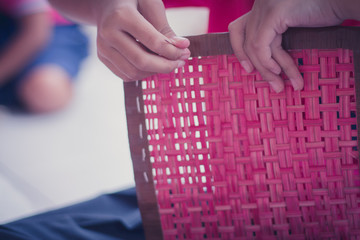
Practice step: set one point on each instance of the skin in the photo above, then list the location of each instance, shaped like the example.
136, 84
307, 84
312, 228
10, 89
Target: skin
47, 89
134, 36
134, 39
256, 36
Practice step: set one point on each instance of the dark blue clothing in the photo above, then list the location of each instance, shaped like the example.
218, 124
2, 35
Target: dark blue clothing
108, 217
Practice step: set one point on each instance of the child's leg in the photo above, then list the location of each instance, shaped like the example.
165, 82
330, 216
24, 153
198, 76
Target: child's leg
45, 84
46, 88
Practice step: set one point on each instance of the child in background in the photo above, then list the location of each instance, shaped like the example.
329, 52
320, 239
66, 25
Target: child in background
40, 54
116, 216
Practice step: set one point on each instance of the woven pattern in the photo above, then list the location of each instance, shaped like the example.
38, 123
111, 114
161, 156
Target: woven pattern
232, 159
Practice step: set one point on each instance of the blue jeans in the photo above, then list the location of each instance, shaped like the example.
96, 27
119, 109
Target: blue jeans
108, 217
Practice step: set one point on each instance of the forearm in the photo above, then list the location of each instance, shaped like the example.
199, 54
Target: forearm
82, 11
33, 34
348, 9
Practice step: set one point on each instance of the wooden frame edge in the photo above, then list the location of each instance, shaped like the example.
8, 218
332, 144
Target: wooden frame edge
209, 45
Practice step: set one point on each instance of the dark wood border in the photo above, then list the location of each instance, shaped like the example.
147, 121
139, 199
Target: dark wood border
207, 45
138, 142
294, 38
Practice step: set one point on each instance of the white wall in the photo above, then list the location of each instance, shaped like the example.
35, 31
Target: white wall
54, 160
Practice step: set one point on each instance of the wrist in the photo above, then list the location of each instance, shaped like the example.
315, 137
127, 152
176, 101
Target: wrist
103, 8
347, 9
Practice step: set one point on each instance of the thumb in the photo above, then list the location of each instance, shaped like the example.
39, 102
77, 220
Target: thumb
154, 12
180, 42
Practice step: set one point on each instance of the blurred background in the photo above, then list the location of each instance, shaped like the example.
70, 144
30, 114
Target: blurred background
54, 160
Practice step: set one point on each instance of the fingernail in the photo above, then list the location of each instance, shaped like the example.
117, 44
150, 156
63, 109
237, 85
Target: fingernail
276, 86
180, 42
180, 64
298, 84
276, 70
185, 55
177, 38
246, 65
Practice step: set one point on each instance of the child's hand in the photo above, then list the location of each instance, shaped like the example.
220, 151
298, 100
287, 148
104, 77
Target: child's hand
256, 36
135, 40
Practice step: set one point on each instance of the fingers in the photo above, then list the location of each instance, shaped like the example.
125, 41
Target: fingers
133, 23
136, 54
154, 12
124, 75
237, 39
253, 55
112, 59
132, 62
114, 69
259, 46
269, 72
133, 47
287, 64
275, 81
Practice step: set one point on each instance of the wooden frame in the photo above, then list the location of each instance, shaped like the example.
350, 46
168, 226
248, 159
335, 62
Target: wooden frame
207, 45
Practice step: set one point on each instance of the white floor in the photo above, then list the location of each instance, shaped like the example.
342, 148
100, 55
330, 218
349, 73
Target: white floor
58, 159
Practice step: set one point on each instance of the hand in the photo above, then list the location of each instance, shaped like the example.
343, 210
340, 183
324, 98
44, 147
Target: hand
135, 41
256, 36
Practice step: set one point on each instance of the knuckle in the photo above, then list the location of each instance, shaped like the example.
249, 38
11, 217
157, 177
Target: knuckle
119, 74
169, 68
247, 43
166, 30
124, 78
101, 57
232, 27
100, 45
105, 33
123, 12
157, 45
133, 75
255, 46
132, 78
247, 47
117, 17
142, 62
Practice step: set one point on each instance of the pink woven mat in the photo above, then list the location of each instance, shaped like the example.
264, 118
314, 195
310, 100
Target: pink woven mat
232, 159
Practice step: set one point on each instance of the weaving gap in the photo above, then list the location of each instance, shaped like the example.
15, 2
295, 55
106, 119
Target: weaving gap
233, 159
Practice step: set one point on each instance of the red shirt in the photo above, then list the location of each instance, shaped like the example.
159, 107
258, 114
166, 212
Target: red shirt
222, 12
